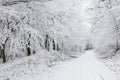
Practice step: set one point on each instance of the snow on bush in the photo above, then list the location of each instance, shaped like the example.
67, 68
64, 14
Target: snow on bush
27, 68
27, 28
106, 28
113, 63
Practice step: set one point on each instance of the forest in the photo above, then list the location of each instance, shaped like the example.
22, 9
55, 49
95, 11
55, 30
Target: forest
46, 32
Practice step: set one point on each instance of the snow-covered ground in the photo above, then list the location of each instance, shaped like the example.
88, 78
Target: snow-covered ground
65, 28
28, 67
113, 63
86, 67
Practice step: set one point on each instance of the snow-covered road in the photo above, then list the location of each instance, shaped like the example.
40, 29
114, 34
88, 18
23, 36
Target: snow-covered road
86, 67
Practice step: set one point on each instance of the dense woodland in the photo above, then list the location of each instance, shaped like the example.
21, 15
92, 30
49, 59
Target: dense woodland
83, 35
27, 27
105, 27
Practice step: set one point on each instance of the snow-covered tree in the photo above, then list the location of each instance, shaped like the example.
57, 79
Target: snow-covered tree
106, 27
27, 28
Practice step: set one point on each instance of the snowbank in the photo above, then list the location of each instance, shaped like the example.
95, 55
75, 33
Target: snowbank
113, 63
27, 68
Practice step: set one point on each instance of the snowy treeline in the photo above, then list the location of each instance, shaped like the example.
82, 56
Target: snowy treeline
27, 28
106, 26
13, 2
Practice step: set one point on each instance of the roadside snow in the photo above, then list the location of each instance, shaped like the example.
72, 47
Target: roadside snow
28, 67
86, 67
113, 63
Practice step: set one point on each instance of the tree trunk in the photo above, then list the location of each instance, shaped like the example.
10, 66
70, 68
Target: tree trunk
3, 53
58, 49
28, 49
47, 44
53, 44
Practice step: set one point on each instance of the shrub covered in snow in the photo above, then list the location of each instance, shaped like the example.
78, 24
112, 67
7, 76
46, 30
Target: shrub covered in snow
27, 28
106, 27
